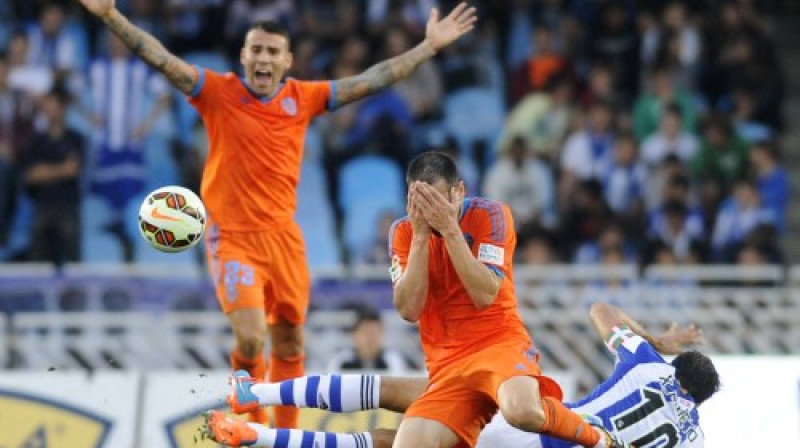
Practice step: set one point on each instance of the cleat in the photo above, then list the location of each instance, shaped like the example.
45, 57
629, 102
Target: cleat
240, 399
612, 441
227, 431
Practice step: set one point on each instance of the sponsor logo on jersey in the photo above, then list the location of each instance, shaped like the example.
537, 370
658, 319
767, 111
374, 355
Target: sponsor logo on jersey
491, 254
289, 105
31, 421
396, 270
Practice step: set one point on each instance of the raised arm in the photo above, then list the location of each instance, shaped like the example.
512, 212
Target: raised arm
178, 72
438, 34
608, 320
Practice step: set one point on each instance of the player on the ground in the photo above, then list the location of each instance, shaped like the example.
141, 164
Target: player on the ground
636, 375
256, 127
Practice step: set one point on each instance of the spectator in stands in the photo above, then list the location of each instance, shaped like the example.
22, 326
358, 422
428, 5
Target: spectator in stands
122, 125
771, 180
328, 20
611, 239
542, 118
626, 183
588, 152
423, 90
369, 352
408, 14
466, 167
676, 42
650, 105
544, 64
23, 75
739, 215
16, 130
51, 43
585, 216
52, 167
744, 120
536, 246
670, 139
523, 182
600, 87
195, 25
723, 155
377, 252
680, 230
615, 42
659, 179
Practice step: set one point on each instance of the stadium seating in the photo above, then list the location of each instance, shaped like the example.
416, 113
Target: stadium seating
315, 217
369, 186
474, 115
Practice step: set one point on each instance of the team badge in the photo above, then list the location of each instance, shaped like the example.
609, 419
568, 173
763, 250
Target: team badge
289, 106
396, 270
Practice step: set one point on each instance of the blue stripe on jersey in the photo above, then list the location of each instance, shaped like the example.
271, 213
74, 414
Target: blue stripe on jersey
497, 217
287, 393
308, 440
330, 440
496, 270
336, 393
282, 438
312, 390
198, 85
332, 98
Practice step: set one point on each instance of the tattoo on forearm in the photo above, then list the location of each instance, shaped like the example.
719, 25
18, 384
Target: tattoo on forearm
152, 52
381, 75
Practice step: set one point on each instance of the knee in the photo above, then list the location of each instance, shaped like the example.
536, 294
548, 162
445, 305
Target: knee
525, 416
287, 345
250, 344
383, 438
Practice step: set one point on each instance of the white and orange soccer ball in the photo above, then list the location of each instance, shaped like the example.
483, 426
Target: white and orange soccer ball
172, 219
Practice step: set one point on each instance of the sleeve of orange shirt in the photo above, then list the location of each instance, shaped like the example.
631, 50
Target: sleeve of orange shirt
320, 96
204, 96
399, 246
495, 238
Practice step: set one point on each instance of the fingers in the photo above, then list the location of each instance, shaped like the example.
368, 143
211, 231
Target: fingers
455, 14
434, 17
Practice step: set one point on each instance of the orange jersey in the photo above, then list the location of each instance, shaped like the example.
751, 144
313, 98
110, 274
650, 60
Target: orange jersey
451, 326
255, 147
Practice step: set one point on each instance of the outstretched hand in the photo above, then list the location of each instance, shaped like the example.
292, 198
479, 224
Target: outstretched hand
98, 7
676, 339
441, 33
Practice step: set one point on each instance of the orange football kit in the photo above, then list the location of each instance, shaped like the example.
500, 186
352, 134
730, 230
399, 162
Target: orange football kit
469, 352
256, 254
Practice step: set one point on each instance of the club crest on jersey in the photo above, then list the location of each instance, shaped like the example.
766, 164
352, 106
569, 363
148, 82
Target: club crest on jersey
289, 105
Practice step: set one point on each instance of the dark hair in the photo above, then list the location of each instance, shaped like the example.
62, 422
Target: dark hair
365, 315
429, 167
673, 109
60, 93
271, 27
696, 373
675, 207
678, 180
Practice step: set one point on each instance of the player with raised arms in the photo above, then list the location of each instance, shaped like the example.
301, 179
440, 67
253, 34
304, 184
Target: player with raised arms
256, 127
647, 401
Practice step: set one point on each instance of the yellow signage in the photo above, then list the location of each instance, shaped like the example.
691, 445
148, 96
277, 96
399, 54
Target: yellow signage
184, 432
30, 421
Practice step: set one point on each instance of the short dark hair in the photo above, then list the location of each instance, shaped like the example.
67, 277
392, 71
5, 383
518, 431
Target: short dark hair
366, 315
697, 374
271, 27
673, 109
429, 167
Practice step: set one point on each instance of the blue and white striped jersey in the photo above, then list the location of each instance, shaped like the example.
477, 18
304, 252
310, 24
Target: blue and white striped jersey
641, 402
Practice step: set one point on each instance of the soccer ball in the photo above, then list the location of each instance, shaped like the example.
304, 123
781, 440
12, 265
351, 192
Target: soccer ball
172, 219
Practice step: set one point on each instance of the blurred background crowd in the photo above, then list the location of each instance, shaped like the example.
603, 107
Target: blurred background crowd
618, 131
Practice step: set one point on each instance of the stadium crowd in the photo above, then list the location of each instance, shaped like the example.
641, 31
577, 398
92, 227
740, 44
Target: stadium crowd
618, 131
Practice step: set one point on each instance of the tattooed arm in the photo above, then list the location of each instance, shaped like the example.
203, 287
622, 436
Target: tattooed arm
177, 71
438, 35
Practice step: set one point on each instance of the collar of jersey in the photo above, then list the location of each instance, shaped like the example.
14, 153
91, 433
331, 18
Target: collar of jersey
263, 99
464, 209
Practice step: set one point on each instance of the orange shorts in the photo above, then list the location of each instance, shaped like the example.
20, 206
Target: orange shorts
264, 269
463, 395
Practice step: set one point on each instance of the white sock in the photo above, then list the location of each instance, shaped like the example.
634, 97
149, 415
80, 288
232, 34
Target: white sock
295, 438
335, 393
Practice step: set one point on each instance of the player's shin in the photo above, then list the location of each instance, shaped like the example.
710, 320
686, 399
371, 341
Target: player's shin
335, 393
295, 438
285, 369
564, 424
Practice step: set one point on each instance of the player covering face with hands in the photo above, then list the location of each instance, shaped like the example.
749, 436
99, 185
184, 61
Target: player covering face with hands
256, 128
649, 402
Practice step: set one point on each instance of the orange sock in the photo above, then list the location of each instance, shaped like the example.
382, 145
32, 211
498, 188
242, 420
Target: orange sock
257, 367
285, 369
566, 425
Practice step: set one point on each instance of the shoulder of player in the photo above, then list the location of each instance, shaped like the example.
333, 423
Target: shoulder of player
486, 208
399, 225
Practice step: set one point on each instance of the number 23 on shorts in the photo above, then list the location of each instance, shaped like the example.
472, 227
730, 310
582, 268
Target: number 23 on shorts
236, 274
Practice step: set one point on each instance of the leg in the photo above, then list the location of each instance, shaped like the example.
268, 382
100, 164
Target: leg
339, 393
240, 433
415, 432
286, 362
523, 407
249, 330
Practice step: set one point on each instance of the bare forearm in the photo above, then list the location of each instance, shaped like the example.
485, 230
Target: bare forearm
605, 317
480, 282
412, 288
382, 75
179, 73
